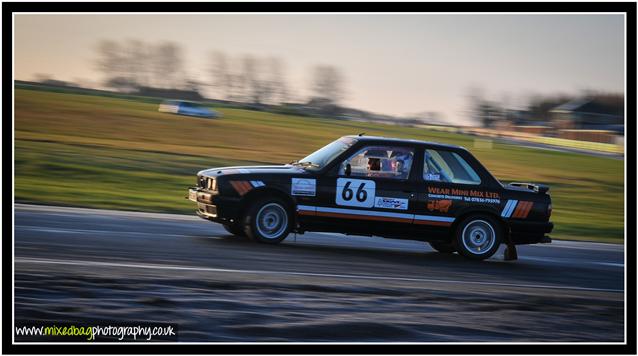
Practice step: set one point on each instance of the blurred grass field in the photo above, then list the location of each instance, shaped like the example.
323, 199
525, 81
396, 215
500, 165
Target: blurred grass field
101, 152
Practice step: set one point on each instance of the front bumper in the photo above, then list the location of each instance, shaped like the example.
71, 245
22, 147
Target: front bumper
213, 206
204, 202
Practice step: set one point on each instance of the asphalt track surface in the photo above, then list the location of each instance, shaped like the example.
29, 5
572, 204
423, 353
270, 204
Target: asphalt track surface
101, 267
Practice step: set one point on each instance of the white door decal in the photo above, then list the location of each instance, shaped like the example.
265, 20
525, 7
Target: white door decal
355, 192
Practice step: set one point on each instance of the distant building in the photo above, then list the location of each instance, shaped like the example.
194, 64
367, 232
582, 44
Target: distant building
540, 130
588, 114
602, 136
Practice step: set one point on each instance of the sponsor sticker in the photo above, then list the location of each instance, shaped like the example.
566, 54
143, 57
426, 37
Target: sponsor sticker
439, 205
391, 203
257, 183
304, 187
466, 195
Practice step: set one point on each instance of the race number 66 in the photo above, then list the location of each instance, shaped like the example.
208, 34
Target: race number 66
355, 192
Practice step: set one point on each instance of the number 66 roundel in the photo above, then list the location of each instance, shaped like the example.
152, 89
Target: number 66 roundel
355, 192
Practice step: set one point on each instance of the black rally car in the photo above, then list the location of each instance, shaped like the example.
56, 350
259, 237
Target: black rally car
393, 188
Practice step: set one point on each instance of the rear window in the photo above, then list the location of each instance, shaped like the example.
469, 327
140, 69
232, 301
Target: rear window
449, 167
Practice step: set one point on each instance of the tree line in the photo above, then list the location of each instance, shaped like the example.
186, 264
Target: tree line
133, 65
534, 108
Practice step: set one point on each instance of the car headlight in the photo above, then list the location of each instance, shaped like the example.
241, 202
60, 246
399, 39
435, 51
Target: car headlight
208, 183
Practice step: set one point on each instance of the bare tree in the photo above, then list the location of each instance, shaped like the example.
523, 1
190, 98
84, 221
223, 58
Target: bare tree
167, 65
110, 61
134, 64
265, 80
252, 79
237, 82
220, 72
278, 87
476, 109
328, 84
137, 59
258, 89
125, 65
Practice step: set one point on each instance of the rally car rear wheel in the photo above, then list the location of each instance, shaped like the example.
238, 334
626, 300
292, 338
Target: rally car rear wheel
478, 237
268, 220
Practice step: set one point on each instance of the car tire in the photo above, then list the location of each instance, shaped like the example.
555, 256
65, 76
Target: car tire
234, 229
478, 237
443, 247
268, 220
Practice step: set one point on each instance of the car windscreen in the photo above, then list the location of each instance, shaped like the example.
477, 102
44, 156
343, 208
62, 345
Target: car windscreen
326, 154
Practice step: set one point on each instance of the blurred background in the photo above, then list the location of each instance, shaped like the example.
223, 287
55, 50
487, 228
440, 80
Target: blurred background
121, 111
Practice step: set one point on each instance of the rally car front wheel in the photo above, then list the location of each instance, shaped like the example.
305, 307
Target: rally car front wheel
268, 220
478, 237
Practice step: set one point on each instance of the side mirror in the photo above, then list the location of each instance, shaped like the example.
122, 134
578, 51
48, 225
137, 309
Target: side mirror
348, 170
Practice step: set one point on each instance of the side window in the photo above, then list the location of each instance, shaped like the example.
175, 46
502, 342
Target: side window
447, 166
379, 161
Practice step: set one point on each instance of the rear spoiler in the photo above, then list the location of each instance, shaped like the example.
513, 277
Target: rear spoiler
538, 188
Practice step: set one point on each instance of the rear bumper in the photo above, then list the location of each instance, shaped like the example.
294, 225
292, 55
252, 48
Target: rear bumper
214, 207
526, 232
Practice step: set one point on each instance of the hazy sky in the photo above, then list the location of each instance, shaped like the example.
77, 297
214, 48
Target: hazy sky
393, 64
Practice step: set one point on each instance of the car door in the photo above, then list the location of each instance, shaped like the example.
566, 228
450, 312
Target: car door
372, 191
449, 186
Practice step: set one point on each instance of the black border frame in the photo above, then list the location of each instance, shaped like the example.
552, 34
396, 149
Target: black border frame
629, 8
